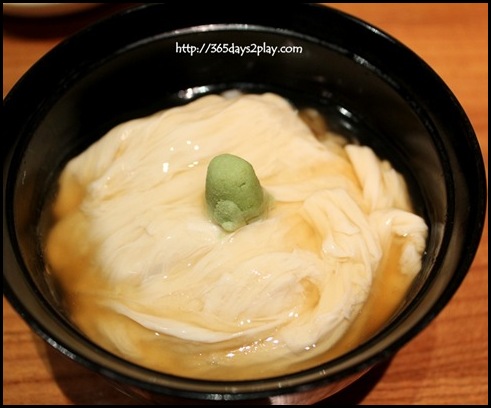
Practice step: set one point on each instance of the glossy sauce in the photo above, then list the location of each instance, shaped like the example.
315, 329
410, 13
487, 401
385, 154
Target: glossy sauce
83, 284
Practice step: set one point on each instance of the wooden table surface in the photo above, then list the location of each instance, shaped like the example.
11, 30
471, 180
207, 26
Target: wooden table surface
445, 364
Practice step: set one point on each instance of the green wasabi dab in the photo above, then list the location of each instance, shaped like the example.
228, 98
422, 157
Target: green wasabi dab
233, 193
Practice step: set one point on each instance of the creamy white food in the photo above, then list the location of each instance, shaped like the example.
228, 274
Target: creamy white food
146, 273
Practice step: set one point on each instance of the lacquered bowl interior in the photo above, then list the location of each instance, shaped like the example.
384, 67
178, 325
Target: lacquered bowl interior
369, 87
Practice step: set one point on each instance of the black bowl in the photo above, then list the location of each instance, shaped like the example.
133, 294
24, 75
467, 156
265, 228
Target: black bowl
368, 85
